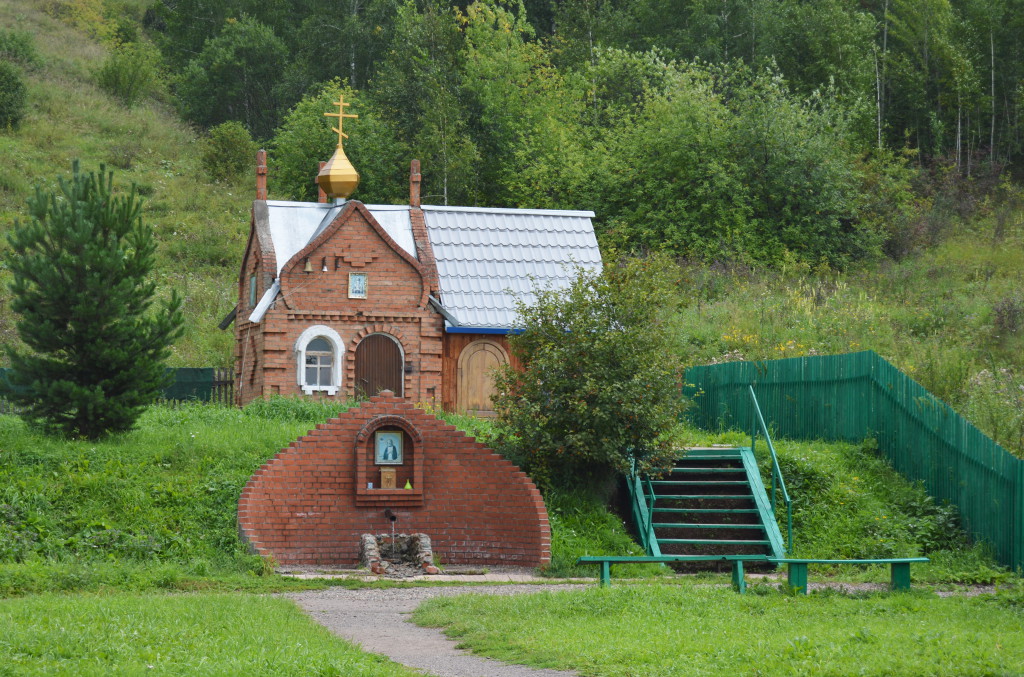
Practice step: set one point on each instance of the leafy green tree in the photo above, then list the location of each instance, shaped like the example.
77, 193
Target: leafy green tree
511, 89
798, 168
234, 77
668, 178
96, 347
345, 40
418, 93
599, 384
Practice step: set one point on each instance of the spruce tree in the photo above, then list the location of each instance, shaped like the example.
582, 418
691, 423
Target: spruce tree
80, 269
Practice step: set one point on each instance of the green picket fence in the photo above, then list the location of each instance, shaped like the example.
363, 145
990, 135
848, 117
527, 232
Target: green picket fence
850, 397
186, 384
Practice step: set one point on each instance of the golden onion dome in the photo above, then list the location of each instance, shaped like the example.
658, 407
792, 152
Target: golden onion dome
339, 178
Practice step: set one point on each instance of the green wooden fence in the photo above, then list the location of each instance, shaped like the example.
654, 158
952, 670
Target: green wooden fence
850, 397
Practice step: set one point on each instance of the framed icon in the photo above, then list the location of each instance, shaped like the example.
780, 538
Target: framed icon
388, 447
357, 285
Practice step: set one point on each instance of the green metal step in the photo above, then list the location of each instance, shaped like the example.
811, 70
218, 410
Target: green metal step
726, 510
683, 525
677, 497
699, 483
708, 470
710, 541
693, 473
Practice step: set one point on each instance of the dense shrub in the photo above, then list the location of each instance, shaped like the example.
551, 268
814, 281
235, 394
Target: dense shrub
598, 388
130, 72
228, 151
12, 95
18, 46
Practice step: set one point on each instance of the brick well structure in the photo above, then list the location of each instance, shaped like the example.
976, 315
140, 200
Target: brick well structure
311, 502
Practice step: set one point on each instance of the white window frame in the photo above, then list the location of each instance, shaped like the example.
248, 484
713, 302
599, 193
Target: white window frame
332, 337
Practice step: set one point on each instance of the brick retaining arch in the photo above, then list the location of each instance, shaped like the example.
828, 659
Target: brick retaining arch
309, 504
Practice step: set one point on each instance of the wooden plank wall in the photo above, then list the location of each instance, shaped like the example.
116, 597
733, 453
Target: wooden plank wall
453, 346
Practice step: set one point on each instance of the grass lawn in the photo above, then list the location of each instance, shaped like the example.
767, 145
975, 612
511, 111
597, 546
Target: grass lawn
694, 629
184, 634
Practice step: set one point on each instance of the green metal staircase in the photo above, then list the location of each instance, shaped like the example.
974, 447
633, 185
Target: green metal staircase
712, 503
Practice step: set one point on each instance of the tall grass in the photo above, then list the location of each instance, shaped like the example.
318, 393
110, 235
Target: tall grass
154, 507
949, 317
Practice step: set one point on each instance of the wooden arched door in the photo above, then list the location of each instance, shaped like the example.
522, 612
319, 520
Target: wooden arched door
379, 366
477, 363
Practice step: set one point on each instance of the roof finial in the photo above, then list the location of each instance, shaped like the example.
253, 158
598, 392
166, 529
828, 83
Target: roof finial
341, 115
338, 178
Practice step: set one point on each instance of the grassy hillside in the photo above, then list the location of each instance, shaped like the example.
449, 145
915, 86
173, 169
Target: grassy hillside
952, 317
151, 508
155, 507
200, 226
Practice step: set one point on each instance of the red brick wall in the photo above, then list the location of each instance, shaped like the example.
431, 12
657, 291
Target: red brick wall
303, 507
396, 304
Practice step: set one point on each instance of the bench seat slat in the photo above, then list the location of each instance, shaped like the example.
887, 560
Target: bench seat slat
889, 560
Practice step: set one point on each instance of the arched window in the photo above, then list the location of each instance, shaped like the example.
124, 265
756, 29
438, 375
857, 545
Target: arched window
379, 366
319, 353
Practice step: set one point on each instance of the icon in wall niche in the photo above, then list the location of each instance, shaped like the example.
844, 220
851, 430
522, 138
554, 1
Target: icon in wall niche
389, 448
357, 285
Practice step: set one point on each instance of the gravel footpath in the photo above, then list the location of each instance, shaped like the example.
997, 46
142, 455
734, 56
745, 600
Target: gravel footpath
378, 620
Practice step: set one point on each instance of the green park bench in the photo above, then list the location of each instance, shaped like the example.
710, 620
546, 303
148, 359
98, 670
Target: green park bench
899, 569
606, 562
797, 568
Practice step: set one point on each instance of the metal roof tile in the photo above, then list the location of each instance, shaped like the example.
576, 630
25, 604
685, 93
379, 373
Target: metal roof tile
487, 259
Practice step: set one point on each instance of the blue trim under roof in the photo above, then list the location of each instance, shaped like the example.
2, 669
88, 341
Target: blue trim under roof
479, 330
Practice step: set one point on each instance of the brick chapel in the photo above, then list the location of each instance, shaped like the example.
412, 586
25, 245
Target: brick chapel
341, 299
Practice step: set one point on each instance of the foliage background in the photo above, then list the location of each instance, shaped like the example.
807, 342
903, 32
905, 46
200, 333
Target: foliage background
577, 105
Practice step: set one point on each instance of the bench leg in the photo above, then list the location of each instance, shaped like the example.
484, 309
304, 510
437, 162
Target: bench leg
798, 577
739, 583
900, 575
606, 574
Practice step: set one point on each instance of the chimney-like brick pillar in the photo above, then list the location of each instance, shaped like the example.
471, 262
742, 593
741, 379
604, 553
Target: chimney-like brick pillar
414, 183
321, 196
261, 174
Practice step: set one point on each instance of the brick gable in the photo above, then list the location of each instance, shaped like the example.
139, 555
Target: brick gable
396, 304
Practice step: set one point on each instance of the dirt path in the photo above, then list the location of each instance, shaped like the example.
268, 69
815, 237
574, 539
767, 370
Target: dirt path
378, 620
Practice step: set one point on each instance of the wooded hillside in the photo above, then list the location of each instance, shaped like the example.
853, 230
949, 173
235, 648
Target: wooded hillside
741, 129
831, 176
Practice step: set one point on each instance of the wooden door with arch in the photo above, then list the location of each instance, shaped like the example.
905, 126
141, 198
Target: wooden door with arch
477, 363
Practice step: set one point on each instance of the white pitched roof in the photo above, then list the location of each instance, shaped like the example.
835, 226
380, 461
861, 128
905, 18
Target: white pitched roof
293, 225
487, 258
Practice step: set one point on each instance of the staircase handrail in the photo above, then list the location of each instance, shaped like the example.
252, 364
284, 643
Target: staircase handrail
777, 480
643, 507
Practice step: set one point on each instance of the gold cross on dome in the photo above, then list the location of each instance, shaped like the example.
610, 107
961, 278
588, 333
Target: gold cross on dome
341, 115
